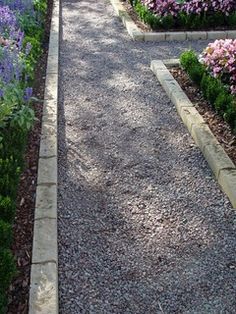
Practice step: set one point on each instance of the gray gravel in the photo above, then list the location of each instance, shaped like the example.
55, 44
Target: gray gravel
143, 226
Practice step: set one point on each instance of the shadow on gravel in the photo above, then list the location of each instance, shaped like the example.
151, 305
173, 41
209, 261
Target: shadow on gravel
143, 227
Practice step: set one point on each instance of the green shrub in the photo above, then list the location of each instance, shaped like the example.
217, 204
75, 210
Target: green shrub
188, 59
7, 269
3, 303
7, 208
196, 72
9, 176
6, 234
230, 115
167, 22
213, 89
231, 19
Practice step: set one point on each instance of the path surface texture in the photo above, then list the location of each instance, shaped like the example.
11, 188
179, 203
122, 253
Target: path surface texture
143, 226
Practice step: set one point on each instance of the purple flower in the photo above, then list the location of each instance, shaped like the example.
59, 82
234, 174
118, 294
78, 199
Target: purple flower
28, 93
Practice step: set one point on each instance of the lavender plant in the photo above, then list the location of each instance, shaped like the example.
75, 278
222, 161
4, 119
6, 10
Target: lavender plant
20, 46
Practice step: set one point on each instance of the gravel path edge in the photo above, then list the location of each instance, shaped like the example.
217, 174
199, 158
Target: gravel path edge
221, 165
44, 267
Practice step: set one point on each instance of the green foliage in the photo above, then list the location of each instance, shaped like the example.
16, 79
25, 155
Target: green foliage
35, 52
196, 72
23, 118
188, 59
31, 27
7, 208
3, 303
6, 234
16, 118
147, 16
41, 7
7, 269
231, 19
183, 20
167, 22
213, 89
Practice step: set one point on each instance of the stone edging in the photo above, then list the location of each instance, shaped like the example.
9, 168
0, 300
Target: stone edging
220, 163
44, 269
137, 34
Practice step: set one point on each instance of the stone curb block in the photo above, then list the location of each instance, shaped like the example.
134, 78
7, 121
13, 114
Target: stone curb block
227, 180
43, 297
220, 163
46, 202
138, 35
45, 241
47, 171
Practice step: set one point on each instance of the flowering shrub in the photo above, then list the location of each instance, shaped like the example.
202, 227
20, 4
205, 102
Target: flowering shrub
163, 8
220, 59
191, 14
20, 46
208, 6
215, 73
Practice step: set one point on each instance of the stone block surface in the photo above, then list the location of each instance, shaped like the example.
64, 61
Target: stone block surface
216, 35
43, 289
47, 171
227, 180
46, 202
45, 241
191, 116
154, 36
203, 136
179, 36
51, 86
196, 35
217, 159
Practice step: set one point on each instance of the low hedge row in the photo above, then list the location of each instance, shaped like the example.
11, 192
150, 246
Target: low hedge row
183, 20
217, 93
16, 114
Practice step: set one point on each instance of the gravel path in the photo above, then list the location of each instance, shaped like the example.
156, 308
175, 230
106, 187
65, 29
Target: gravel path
143, 226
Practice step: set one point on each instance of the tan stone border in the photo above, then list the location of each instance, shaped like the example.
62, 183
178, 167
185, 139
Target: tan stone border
220, 163
137, 34
44, 269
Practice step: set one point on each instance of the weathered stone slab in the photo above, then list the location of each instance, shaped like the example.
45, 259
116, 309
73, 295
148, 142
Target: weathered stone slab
43, 289
45, 241
217, 159
47, 171
46, 202
227, 180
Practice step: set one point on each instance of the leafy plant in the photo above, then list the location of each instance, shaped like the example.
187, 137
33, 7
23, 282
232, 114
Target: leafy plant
191, 14
219, 94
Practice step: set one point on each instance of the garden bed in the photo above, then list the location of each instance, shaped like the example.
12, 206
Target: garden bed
209, 80
25, 157
140, 31
173, 15
218, 126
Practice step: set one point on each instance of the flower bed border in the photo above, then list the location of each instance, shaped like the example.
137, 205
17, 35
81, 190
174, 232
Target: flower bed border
138, 35
44, 267
220, 163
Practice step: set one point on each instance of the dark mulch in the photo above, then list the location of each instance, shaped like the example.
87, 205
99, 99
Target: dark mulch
216, 123
23, 226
